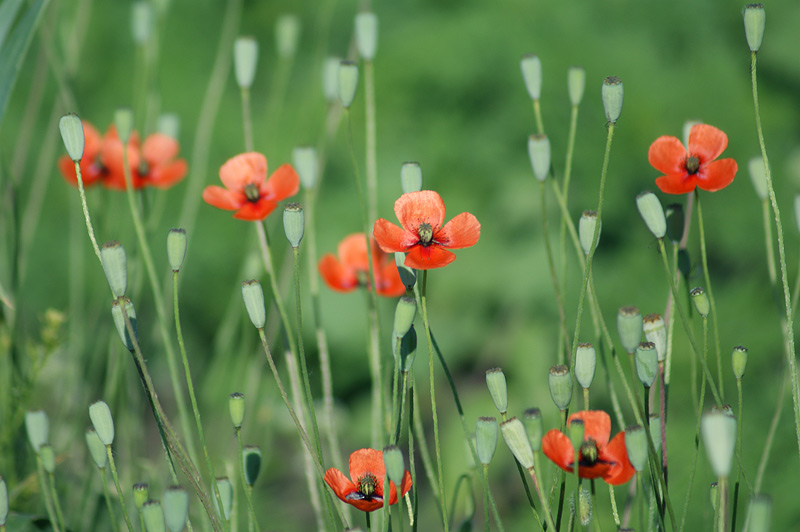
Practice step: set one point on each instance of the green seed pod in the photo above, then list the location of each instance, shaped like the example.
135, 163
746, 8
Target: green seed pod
652, 213
647, 363
411, 177
655, 331
103, 423
71, 129
486, 439
612, 94
176, 508
576, 83
96, 449
560, 382
245, 60
294, 223
330, 78
404, 314
307, 165
408, 276
236, 409
38, 428
516, 439
115, 266
587, 225
629, 328
394, 463
251, 456
347, 82
700, 301
226, 494
759, 514
539, 153
176, 248
119, 321
48, 458
3, 502
253, 296
532, 74
758, 176
169, 124
585, 364
534, 426
287, 35
675, 221
141, 22
719, 437
153, 516
498, 389
636, 444
713, 495
367, 35
739, 361
123, 120
141, 493
576, 431
754, 22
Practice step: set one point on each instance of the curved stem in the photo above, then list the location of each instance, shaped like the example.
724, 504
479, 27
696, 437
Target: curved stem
86, 216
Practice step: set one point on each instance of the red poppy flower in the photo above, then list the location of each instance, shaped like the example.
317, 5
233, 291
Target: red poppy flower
151, 164
365, 490
92, 170
350, 269
598, 457
686, 169
422, 237
247, 189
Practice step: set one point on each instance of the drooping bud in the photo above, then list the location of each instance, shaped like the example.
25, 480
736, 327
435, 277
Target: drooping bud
253, 296
675, 221
647, 363
758, 176
539, 153
245, 60
612, 94
330, 78
719, 437
176, 248
226, 494
96, 449
236, 409
754, 22
404, 314
176, 508
347, 82
560, 383
251, 456
307, 165
652, 213
629, 327
498, 389
576, 82
585, 364
287, 35
534, 426
123, 121
411, 177
367, 35
117, 307
395, 464
48, 457
587, 226
739, 361
71, 129
700, 301
294, 223
636, 444
103, 423
486, 439
655, 331
517, 441
153, 516
532, 74
141, 493
38, 428
115, 266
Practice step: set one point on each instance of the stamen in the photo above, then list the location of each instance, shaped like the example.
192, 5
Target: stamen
425, 233
589, 452
251, 192
367, 484
692, 164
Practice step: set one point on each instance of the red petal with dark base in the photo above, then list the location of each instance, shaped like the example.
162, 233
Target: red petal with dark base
336, 276
392, 238
462, 231
415, 208
282, 184
717, 175
255, 211
706, 142
616, 454
425, 258
676, 183
667, 155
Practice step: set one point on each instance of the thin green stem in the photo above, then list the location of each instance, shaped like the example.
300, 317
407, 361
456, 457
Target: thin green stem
56, 503
419, 431
247, 120
738, 446
770, 247
562, 319
537, 113
722, 506
372, 159
107, 496
548, 516
253, 521
762, 463
485, 486
86, 215
112, 466
48, 503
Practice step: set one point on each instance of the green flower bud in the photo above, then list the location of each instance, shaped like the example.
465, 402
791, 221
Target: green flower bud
71, 129
245, 60
294, 223
700, 301
411, 177
612, 95
253, 297
394, 463
408, 349
532, 74
636, 444
330, 78
408, 276
539, 153
103, 423
486, 439
287, 35
754, 21
404, 315
226, 494
236, 408
759, 514
3, 502
367, 35
176, 248
758, 176
517, 441
576, 82
141, 493
655, 331
560, 382
123, 120
38, 428
589, 223
117, 307
347, 82
585, 364
153, 516
534, 426
647, 363
739, 361
48, 458
96, 449
713, 495
251, 456
498, 389
169, 124
141, 22
307, 165
629, 328
115, 266
576, 431
652, 213
719, 437
176, 508
675, 221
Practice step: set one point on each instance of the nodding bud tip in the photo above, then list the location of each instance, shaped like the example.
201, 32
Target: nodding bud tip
754, 22
486, 431
347, 82
245, 60
516, 439
539, 153
411, 177
115, 266
287, 35
576, 83
612, 94
532, 74
407, 346
307, 165
102, 421
652, 213
176, 248
294, 223
253, 296
71, 129
498, 389
367, 35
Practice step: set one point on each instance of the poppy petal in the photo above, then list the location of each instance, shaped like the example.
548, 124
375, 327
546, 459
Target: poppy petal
168, 175
255, 211
717, 175
367, 505
415, 208
596, 425
706, 142
335, 275
596, 470
428, 257
223, 198
557, 447
282, 184
243, 169
367, 461
340, 484
616, 454
91, 141
159, 149
676, 183
353, 252
462, 231
391, 238
667, 155
388, 282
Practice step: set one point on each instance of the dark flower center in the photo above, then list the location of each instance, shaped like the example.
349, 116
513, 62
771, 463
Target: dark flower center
367, 484
692, 164
143, 169
251, 192
589, 452
425, 233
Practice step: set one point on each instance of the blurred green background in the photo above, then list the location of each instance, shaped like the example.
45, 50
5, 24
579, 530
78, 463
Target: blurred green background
450, 95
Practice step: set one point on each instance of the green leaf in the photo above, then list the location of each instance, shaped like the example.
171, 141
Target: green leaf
8, 12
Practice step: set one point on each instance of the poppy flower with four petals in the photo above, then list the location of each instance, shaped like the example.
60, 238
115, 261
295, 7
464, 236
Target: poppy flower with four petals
423, 237
597, 457
696, 166
247, 189
350, 269
364, 488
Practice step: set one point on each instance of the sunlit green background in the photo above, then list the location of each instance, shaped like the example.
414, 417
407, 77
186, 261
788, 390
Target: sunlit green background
450, 95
